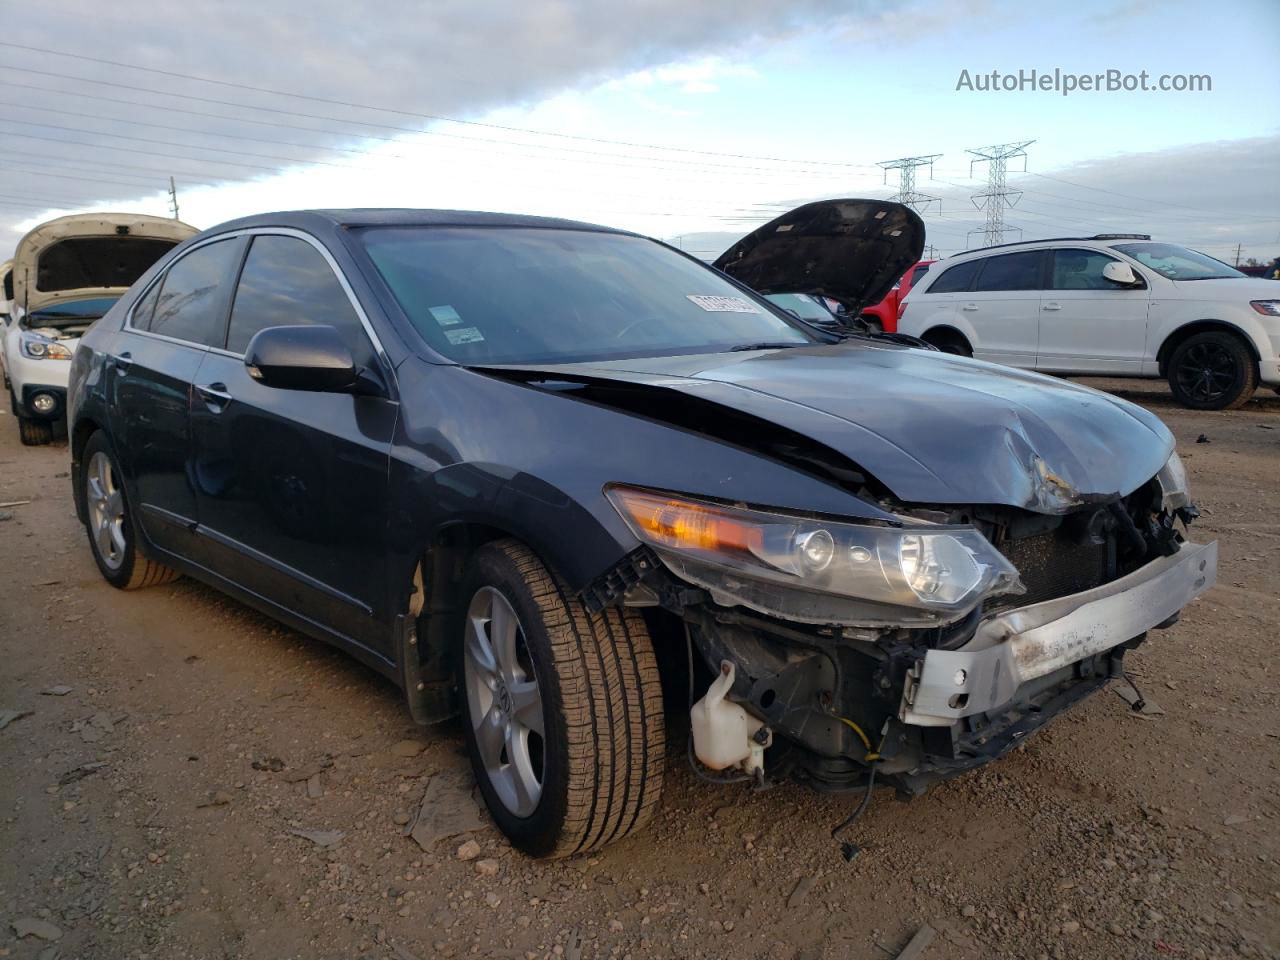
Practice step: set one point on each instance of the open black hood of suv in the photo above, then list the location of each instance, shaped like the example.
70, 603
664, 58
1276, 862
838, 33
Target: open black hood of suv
852, 251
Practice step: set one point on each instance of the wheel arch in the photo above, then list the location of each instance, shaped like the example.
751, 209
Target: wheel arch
946, 331
84, 428
1187, 330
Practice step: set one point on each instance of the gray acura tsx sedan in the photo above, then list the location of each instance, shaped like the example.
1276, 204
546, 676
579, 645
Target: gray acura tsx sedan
534, 471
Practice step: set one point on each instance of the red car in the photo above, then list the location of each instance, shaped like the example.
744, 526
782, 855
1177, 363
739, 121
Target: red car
885, 313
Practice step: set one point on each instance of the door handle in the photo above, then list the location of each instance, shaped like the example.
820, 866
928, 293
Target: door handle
1052, 306
970, 306
123, 361
215, 396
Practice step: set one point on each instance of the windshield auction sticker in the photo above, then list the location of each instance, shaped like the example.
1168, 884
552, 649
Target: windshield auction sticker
723, 304
445, 315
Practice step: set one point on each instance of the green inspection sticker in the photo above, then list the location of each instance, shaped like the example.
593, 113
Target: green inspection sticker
445, 315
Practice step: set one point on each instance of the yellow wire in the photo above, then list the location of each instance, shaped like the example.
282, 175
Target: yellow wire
866, 741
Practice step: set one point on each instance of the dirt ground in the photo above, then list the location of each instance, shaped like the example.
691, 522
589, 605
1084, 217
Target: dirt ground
148, 810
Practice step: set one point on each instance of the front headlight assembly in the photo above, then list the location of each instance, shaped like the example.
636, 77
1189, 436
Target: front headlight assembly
40, 348
819, 571
1174, 487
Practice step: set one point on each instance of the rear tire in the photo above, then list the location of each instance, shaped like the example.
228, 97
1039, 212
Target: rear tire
948, 341
34, 433
113, 535
566, 737
1213, 370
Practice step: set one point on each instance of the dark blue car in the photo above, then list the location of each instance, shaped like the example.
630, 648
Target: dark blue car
535, 470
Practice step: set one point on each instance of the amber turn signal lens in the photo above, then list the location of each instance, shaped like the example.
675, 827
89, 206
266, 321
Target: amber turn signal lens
681, 525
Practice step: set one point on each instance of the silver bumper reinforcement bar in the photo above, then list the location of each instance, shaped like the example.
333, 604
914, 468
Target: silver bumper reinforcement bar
1011, 648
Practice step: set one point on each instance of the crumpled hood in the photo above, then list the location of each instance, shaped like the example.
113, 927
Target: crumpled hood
932, 427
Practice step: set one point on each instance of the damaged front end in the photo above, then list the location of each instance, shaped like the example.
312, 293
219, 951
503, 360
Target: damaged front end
921, 647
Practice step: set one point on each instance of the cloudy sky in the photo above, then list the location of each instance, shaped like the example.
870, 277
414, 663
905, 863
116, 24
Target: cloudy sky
694, 122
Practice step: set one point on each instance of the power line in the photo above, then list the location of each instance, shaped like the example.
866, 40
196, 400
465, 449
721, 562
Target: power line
513, 145
409, 113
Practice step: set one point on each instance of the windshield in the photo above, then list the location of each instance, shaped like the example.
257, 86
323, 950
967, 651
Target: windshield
1177, 263
803, 306
71, 311
489, 295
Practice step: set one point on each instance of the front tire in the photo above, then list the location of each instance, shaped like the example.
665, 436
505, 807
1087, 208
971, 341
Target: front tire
948, 341
34, 433
113, 536
562, 708
1213, 370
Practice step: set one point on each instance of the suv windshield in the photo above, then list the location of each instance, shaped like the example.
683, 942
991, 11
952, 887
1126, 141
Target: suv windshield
803, 306
481, 295
1177, 263
71, 311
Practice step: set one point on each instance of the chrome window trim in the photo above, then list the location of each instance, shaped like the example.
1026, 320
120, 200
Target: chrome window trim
374, 340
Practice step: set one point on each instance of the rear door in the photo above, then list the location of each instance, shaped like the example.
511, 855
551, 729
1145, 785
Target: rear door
157, 353
292, 485
1087, 323
1004, 307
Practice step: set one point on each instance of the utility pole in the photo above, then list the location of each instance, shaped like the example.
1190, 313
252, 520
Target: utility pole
906, 167
1238, 246
998, 195
173, 198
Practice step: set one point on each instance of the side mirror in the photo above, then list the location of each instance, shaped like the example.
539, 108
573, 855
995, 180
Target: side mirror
304, 357
1120, 274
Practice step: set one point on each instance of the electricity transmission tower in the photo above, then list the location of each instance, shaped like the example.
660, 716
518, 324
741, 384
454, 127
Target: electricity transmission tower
906, 167
998, 195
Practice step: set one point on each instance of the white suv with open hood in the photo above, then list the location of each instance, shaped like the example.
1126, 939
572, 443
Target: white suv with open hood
1114, 305
66, 274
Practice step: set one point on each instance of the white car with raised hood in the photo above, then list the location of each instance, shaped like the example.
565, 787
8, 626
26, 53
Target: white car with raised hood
65, 274
1109, 305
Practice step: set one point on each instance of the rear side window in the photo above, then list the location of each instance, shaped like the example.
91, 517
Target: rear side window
955, 279
286, 281
145, 308
192, 301
918, 275
1080, 270
1011, 271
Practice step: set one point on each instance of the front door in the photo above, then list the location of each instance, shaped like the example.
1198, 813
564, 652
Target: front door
1087, 323
156, 356
292, 485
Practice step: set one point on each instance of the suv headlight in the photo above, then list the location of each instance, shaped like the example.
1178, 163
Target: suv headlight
1173, 483
819, 571
41, 348
1268, 308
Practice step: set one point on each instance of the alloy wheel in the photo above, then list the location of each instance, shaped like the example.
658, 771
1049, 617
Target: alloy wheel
1207, 372
106, 510
505, 704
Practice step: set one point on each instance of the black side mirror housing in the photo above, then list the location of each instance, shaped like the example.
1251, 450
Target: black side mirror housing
304, 357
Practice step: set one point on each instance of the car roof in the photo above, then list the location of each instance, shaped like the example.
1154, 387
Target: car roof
1104, 239
405, 216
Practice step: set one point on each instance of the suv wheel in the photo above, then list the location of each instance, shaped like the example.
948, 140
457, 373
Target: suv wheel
34, 433
109, 523
948, 341
1212, 371
563, 708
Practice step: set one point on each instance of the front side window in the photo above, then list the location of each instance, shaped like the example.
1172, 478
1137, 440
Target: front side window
1178, 263
526, 295
955, 279
1011, 271
286, 281
1080, 270
192, 301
